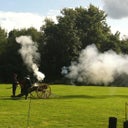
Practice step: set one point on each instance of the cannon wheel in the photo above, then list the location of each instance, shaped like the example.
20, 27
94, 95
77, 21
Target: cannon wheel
43, 91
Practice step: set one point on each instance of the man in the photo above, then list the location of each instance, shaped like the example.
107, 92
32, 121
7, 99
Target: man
25, 87
14, 84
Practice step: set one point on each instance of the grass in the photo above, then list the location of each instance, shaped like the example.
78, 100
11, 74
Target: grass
68, 107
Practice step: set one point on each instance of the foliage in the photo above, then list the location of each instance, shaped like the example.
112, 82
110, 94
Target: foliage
61, 46
3, 44
60, 43
11, 61
124, 45
3, 40
76, 29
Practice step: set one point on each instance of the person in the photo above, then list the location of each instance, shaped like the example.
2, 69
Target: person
28, 85
25, 87
14, 84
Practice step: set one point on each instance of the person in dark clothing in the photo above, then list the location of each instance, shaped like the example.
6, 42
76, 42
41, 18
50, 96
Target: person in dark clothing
25, 87
14, 84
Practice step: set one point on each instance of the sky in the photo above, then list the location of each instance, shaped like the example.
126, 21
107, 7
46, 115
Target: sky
31, 13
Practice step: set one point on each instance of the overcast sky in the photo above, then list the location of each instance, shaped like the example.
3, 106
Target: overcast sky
27, 13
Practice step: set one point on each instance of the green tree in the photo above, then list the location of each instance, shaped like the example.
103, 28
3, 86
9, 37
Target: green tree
3, 43
61, 46
124, 45
92, 26
11, 59
3, 40
60, 43
76, 28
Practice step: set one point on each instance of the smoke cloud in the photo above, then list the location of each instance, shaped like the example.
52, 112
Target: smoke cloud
116, 8
98, 68
30, 55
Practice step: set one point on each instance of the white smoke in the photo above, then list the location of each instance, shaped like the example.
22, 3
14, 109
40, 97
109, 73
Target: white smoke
98, 68
30, 55
116, 8
64, 70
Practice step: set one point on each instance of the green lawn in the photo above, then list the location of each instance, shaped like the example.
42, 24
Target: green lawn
68, 107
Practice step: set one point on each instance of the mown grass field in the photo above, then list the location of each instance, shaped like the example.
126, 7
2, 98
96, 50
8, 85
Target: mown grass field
68, 107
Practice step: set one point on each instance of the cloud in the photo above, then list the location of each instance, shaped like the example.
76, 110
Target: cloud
119, 25
18, 20
116, 9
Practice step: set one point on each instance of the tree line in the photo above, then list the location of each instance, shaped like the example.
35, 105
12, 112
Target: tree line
59, 43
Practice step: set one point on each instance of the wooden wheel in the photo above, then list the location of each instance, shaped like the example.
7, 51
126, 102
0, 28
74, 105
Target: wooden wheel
43, 91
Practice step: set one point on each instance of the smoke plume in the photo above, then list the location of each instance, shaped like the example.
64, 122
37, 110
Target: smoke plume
116, 8
98, 68
30, 55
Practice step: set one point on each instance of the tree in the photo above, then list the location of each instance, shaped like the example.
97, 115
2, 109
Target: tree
3, 40
60, 43
76, 28
11, 61
124, 45
61, 46
92, 26
3, 43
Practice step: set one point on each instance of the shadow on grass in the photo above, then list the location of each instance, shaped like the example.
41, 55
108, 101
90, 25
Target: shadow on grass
19, 98
10, 98
5, 98
88, 96
53, 96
